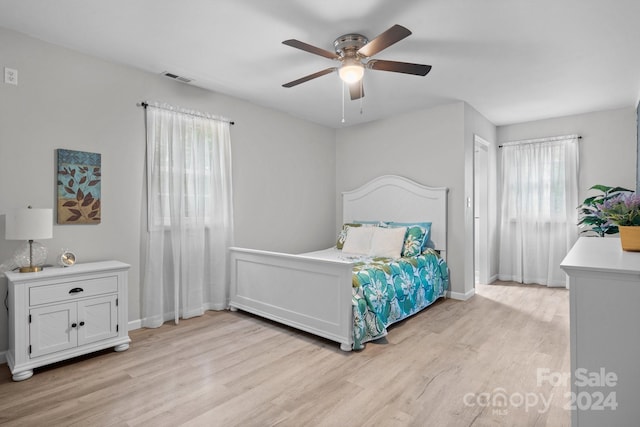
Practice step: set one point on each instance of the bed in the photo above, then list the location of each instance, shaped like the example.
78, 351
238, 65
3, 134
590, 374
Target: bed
324, 292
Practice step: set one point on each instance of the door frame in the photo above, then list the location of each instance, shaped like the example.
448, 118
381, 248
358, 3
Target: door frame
481, 190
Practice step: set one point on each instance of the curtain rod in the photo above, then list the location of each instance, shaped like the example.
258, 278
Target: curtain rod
548, 139
145, 104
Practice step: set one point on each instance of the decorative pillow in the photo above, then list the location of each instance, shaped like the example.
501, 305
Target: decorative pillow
358, 240
416, 238
343, 233
387, 242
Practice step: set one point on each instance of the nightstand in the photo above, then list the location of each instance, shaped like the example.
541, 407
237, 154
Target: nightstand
60, 313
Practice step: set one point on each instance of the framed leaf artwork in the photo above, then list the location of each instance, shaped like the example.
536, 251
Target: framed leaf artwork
79, 176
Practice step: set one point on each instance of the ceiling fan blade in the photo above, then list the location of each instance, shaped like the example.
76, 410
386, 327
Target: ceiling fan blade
384, 40
356, 90
399, 67
311, 49
309, 77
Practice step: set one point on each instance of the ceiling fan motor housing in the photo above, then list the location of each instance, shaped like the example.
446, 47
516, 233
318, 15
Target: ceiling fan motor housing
347, 45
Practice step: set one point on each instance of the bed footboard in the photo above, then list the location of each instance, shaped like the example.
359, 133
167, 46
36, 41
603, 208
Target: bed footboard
310, 294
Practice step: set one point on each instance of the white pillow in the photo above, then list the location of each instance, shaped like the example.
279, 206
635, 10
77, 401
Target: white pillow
387, 242
358, 240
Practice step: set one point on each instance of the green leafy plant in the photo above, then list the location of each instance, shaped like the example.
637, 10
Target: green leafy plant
592, 217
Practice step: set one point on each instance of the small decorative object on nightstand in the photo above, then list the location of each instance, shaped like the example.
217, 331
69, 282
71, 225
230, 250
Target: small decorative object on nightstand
67, 258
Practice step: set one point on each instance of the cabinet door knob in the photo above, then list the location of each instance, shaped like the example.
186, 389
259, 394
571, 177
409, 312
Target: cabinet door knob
81, 323
73, 325
76, 290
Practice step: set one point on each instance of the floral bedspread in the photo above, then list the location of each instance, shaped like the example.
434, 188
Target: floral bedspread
387, 290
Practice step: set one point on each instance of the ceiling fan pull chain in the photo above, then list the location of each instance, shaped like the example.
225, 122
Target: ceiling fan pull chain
361, 92
343, 95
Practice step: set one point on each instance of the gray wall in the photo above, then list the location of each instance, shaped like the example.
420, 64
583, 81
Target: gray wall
283, 167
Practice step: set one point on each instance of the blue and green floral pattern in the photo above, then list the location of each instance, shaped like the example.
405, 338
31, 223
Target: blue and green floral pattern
386, 291
413, 241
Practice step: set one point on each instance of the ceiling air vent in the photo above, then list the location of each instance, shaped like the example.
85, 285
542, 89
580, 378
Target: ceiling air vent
176, 77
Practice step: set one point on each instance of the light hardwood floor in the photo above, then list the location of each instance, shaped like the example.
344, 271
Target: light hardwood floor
472, 363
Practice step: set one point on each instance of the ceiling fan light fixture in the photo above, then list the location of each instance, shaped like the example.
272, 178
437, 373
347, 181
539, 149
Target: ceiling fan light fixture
351, 71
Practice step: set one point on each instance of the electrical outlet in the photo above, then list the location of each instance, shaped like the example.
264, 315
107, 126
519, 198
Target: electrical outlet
11, 76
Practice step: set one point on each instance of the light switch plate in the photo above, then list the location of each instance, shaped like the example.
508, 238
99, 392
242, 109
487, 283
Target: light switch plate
10, 76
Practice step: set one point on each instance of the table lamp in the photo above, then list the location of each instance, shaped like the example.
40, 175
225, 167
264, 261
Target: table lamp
30, 224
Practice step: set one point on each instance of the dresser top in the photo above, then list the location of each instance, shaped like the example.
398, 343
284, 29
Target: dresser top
601, 254
80, 268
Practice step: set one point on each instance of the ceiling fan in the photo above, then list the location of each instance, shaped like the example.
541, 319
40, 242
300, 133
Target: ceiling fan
354, 51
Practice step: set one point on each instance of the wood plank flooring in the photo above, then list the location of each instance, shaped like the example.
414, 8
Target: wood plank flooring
472, 363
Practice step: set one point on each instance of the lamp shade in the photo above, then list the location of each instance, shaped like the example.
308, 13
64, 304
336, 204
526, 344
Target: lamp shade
29, 224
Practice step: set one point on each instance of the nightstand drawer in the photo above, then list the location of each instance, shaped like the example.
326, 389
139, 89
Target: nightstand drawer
72, 290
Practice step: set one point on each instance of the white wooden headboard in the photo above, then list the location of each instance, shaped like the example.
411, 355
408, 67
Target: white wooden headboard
395, 198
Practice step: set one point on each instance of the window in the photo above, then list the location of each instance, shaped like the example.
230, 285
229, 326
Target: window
538, 210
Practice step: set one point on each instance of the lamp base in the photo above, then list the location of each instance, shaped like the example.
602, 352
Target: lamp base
30, 257
30, 269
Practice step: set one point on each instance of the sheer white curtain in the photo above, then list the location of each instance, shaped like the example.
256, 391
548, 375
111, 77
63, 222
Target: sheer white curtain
190, 214
538, 216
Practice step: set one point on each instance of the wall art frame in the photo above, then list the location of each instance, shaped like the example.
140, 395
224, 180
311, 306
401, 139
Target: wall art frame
79, 175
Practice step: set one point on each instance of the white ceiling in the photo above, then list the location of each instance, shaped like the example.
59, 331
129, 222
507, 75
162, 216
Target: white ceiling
512, 60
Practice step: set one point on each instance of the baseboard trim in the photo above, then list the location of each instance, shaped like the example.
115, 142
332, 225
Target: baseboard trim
460, 296
491, 279
3, 356
134, 324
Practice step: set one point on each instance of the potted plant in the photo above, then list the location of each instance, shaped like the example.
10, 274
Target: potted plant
591, 216
623, 210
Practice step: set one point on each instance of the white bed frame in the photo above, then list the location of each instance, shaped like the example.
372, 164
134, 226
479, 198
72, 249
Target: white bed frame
313, 294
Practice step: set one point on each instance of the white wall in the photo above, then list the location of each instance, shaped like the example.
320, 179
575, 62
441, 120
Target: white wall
283, 167
284, 181
426, 146
607, 148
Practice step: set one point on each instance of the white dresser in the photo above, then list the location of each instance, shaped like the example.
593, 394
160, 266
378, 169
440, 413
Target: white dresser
60, 313
605, 333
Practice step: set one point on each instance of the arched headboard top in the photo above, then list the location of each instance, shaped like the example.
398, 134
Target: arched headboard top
399, 199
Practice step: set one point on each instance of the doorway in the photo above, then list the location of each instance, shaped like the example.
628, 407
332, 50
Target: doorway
481, 210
